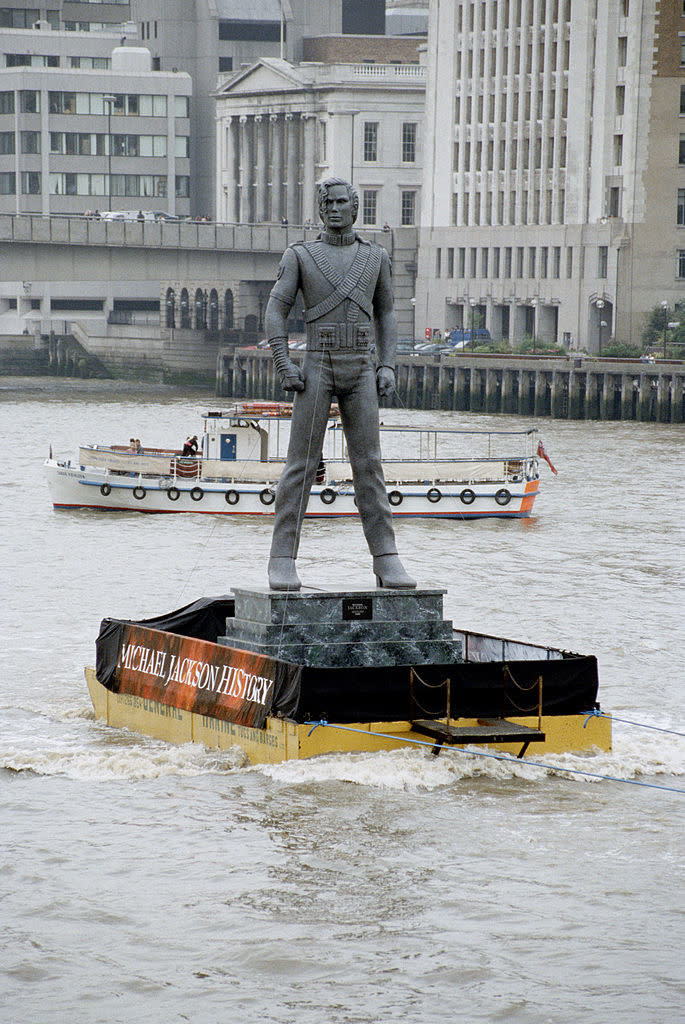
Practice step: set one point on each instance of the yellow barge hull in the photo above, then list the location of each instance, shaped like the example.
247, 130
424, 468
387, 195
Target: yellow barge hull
285, 740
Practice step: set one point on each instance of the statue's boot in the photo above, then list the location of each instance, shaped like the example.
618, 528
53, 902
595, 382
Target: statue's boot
282, 574
391, 573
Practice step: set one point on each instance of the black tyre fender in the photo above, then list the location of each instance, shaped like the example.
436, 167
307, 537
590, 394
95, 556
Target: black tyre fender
503, 496
105, 489
173, 494
395, 498
139, 493
433, 494
267, 496
467, 496
232, 497
328, 496
197, 494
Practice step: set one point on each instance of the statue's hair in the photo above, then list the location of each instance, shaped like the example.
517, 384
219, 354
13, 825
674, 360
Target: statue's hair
322, 194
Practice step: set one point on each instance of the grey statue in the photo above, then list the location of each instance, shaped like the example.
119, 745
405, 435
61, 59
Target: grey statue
351, 343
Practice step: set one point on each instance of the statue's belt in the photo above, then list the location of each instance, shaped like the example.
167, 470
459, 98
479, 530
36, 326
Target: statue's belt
352, 285
349, 337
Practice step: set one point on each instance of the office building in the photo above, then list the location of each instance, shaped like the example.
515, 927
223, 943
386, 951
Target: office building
86, 124
554, 188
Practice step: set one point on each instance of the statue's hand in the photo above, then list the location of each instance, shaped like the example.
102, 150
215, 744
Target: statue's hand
291, 377
385, 380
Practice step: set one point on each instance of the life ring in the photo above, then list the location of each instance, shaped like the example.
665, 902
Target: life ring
139, 493
395, 498
433, 494
173, 494
105, 489
267, 496
197, 494
467, 496
503, 496
232, 497
328, 496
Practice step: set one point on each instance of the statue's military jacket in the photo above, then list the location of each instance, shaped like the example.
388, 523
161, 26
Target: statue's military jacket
344, 299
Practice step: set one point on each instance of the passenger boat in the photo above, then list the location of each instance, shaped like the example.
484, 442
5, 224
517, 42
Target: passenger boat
340, 672
431, 472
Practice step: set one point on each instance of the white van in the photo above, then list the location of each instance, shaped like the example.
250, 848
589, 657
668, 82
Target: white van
141, 215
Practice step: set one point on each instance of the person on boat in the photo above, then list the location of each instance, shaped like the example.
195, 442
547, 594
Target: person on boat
190, 447
132, 449
139, 447
351, 343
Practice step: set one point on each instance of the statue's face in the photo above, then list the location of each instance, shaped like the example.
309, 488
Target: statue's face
338, 212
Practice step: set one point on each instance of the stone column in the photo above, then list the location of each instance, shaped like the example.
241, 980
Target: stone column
664, 398
677, 401
276, 127
245, 170
491, 396
607, 409
644, 409
540, 393
309, 169
591, 410
261, 170
627, 396
292, 204
573, 396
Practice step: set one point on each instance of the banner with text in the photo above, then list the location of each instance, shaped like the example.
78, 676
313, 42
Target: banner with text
195, 675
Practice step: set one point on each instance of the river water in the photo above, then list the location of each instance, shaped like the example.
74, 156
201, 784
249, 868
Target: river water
144, 882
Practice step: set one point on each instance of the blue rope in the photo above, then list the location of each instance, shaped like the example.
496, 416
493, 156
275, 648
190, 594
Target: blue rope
626, 721
498, 757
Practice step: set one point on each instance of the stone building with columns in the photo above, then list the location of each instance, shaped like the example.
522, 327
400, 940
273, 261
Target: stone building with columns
282, 127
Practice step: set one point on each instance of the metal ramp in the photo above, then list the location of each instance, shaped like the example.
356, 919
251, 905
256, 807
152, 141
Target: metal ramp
488, 730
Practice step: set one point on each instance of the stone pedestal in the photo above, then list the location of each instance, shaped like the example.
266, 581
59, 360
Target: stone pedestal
344, 629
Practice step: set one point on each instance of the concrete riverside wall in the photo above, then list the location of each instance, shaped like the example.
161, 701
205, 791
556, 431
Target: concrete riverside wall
560, 387
152, 352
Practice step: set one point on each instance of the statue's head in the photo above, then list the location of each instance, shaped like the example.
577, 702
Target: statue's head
336, 185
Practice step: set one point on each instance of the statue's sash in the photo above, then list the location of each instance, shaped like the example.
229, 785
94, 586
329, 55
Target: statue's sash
352, 286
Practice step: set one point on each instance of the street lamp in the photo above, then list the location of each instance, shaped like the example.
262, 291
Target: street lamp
672, 325
412, 303
108, 100
602, 323
472, 304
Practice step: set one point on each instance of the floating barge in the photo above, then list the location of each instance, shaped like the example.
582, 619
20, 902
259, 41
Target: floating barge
287, 676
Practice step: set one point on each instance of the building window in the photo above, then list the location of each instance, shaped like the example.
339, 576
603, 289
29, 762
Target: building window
681, 150
618, 150
556, 262
6, 102
251, 30
30, 142
29, 101
484, 253
682, 99
603, 261
181, 145
531, 261
681, 204
30, 183
519, 261
507, 261
614, 201
182, 186
495, 262
408, 143
622, 51
682, 51
225, 63
544, 257
7, 187
369, 206
6, 143
681, 264
620, 100
408, 211
181, 106
461, 265
370, 142
438, 262
21, 17
450, 262
569, 262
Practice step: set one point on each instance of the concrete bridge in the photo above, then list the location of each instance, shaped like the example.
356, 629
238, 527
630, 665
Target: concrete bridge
57, 269
559, 387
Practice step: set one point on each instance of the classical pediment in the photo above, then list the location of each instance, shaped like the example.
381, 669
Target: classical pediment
266, 75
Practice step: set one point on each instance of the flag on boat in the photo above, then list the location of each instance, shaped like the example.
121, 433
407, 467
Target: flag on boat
543, 455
